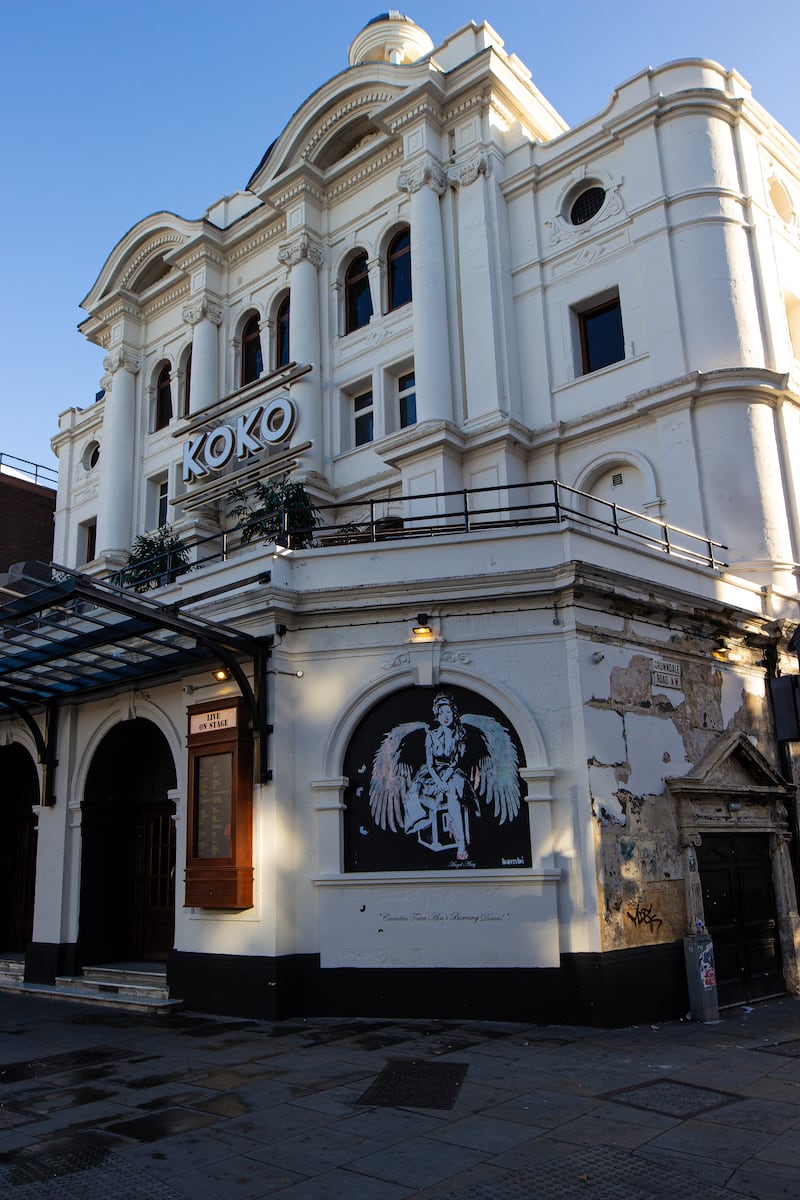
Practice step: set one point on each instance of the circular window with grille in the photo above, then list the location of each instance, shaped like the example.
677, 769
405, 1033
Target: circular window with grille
90, 456
587, 205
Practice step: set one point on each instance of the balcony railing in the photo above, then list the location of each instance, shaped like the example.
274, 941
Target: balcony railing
22, 468
439, 515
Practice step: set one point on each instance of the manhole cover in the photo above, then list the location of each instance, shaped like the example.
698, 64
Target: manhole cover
671, 1098
416, 1083
92, 1173
596, 1174
54, 1064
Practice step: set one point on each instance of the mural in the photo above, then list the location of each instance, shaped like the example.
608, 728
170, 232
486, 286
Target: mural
434, 782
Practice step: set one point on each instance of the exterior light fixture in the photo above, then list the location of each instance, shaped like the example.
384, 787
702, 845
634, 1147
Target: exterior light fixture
221, 674
422, 627
727, 650
294, 674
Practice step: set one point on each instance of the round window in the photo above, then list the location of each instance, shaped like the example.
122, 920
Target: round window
587, 205
91, 456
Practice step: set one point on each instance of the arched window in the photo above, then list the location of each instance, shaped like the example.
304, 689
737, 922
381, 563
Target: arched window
163, 398
187, 384
357, 298
252, 362
399, 267
282, 334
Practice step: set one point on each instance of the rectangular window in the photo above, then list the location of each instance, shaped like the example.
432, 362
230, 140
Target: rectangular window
364, 418
602, 338
89, 539
407, 399
163, 503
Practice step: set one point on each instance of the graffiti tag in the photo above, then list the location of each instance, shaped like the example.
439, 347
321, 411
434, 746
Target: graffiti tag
643, 914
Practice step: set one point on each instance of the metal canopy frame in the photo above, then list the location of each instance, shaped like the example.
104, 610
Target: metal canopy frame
66, 636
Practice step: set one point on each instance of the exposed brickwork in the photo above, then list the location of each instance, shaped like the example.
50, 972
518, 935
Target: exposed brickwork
26, 521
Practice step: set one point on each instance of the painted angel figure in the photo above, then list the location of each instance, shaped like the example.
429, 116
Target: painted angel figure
424, 775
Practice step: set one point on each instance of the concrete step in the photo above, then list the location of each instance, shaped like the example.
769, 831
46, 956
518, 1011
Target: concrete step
63, 990
127, 976
12, 970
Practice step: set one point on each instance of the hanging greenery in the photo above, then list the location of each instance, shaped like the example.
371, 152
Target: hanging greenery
279, 510
155, 559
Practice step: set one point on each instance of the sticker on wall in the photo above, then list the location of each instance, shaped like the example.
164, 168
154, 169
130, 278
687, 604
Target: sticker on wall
434, 783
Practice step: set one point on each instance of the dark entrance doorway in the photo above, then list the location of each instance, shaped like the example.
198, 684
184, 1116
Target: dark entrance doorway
19, 792
127, 908
740, 913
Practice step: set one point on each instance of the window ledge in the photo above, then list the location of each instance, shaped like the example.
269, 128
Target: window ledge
455, 876
602, 371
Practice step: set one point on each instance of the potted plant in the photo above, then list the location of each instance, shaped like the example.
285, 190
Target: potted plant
279, 510
155, 559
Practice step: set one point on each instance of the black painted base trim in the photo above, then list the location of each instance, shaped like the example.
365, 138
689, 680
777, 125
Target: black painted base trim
606, 990
45, 960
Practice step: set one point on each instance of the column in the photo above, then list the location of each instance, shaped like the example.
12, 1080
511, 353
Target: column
426, 182
303, 257
204, 317
115, 505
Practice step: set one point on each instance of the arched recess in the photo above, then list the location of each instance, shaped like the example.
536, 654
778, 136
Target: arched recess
19, 794
625, 479
127, 893
374, 705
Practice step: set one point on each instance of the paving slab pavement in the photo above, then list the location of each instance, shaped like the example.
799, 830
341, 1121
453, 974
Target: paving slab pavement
98, 1104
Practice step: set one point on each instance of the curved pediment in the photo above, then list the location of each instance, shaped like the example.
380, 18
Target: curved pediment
141, 259
338, 119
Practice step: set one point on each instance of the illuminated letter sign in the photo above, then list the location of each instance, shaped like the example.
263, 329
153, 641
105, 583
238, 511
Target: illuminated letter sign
267, 425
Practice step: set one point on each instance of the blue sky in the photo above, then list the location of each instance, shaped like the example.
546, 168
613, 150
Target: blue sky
113, 110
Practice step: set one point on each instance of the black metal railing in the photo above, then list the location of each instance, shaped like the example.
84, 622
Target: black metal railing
33, 472
450, 514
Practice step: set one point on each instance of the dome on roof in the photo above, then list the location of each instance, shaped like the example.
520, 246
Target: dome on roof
390, 37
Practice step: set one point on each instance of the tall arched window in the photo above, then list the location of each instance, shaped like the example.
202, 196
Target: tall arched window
252, 361
163, 398
399, 269
282, 334
357, 298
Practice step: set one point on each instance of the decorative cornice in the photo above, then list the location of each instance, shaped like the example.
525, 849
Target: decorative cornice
203, 310
425, 108
167, 300
301, 248
167, 239
367, 100
373, 167
257, 242
428, 171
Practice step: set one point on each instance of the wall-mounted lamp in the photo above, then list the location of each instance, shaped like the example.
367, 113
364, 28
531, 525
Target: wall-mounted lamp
598, 657
422, 628
734, 806
221, 674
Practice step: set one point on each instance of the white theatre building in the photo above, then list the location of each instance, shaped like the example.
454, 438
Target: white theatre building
494, 732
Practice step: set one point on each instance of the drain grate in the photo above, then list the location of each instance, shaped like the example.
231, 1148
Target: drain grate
91, 1173
599, 1174
416, 1083
671, 1098
54, 1064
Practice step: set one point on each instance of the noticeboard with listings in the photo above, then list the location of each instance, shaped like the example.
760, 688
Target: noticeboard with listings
219, 858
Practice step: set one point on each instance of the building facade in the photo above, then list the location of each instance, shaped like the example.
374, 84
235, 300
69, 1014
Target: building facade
464, 444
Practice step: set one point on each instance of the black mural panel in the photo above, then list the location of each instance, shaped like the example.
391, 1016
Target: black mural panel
434, 783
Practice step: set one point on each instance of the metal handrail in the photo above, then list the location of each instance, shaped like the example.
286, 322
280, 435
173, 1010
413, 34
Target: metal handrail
452, 513
11, 465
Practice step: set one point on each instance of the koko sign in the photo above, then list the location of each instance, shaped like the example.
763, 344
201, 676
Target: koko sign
267, 425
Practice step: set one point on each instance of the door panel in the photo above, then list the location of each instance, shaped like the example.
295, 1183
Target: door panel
740, 913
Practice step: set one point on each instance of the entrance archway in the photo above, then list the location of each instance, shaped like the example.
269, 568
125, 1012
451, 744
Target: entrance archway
127, 906
19, 792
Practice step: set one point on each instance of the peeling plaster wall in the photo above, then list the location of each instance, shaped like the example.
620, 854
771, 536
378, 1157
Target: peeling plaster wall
639, 732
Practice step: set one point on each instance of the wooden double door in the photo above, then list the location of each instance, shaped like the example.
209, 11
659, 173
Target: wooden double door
741, 915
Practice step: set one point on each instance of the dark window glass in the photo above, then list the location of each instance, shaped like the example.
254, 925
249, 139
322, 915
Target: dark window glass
252, 362
91, 541
602, 339
282, 335
407, 397
357, 298
399, 259
364, 425
587, 205
163, 501
163, 399
187, 384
